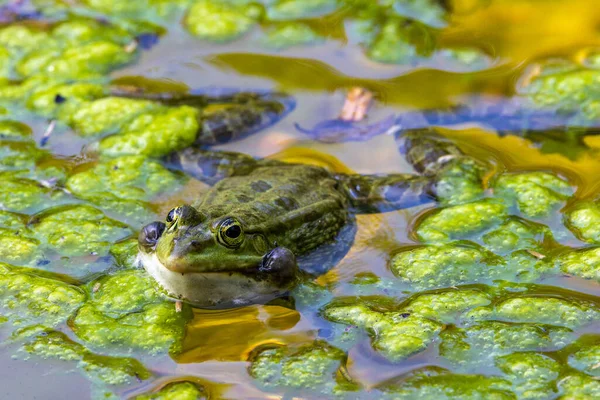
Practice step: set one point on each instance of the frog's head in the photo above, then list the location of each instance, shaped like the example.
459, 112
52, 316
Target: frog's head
214, 261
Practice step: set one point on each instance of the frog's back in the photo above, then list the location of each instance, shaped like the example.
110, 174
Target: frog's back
297, 206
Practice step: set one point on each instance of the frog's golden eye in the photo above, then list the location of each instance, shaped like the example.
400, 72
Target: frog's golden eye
230, 233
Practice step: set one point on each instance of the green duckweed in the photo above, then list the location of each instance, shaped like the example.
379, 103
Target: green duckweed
532, 375
289, 35
154, 134
587, 360
460, 221
108, 115
517, 234
584, 221
579, 386
98, 368
28, 196
127, 177
447, 306
176, 391
125, 313
431, 266
478, 343
310, 366
436, 383
459, 182
584, 263
220, 22
536, 194
396, 335
79, 230
27, 299
543, 310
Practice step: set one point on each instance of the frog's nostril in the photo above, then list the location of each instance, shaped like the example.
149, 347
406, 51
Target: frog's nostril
150, 233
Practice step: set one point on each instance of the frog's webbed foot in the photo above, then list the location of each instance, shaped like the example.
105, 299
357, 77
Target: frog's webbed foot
381, 193
426, 151
339, 130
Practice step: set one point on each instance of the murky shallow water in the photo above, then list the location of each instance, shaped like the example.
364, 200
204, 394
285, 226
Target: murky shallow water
516, 35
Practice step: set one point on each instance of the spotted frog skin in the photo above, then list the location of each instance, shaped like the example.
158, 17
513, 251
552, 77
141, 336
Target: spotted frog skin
265, 224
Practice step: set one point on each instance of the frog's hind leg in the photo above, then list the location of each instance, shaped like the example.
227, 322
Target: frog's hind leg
241, 116
430, 154
224, 114
386, 192
426, 151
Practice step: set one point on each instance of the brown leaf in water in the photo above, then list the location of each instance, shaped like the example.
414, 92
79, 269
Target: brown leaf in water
357, 103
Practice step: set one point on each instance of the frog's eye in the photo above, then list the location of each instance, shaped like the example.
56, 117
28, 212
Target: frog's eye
230, 233
173, 214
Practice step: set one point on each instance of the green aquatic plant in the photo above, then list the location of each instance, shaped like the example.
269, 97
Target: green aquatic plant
532, 375
98, 368
220, 22
28, 299
447, 306
516, 234
176, 391
314, 366
291, 34
584, 221
460, 263
124, 186
479, 343
537, 309
461, 221
126, 313
579, 386
397, 335
78, 230
29, 196
535, 194
155, 134
434, 383
460, 182
587, 360
584, 263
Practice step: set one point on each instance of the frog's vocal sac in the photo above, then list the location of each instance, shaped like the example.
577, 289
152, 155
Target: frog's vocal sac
264, 225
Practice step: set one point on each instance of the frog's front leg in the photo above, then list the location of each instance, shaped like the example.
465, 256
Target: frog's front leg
211, 166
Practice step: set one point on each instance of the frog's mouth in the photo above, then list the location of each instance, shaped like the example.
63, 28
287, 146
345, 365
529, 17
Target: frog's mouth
223, 289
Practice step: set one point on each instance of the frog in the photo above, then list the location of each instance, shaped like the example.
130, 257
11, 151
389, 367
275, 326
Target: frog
265, 225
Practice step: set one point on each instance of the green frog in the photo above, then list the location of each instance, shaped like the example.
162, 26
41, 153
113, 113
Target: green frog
264, 225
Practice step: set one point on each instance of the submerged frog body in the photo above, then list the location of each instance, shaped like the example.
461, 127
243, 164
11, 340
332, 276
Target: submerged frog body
264, 223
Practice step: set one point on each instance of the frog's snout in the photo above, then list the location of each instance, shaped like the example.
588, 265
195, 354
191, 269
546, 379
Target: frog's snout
150, 234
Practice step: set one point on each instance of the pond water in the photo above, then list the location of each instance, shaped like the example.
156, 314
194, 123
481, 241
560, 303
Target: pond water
492, 291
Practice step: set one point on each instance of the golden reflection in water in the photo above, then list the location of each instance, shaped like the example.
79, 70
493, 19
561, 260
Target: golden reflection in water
523, 30
518, 154
231, 335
